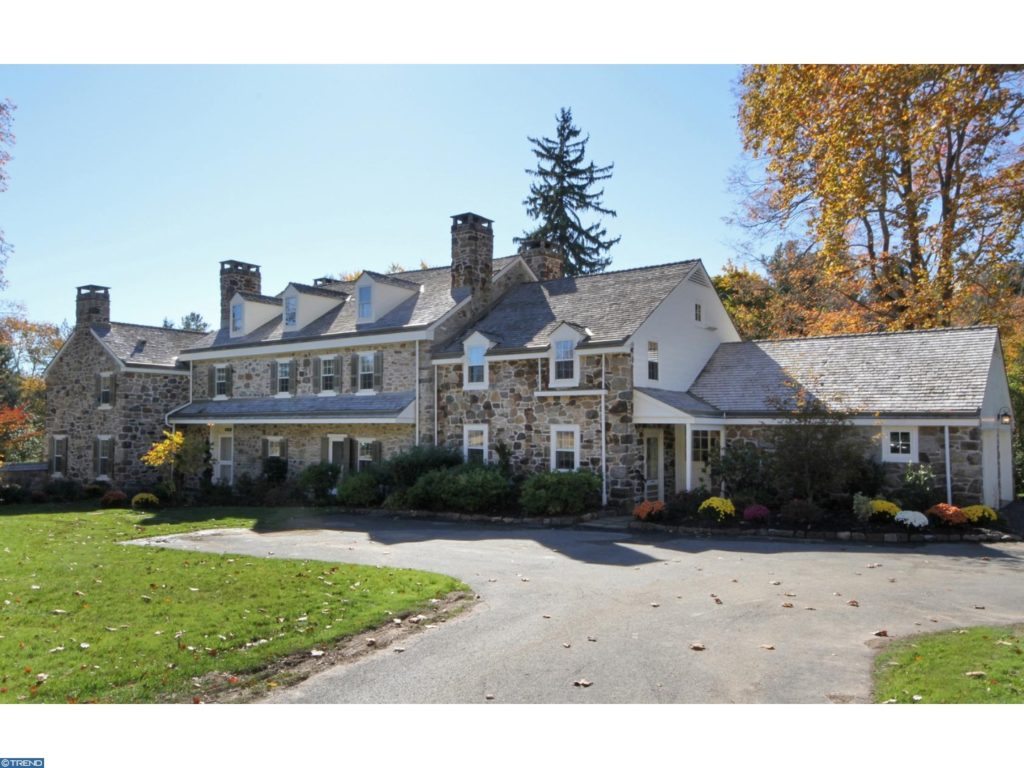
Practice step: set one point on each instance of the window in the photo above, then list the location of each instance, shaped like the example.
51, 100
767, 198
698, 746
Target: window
59, 455
365, 302
274, 447
284, 377
564, 368
106, 395
565, 444
104, 456
366, 370
899, 444
327, 374
476, 368
220, 381
291, 310
367, 452
652, 360
696, 312
236, 318
474, 443
706, 443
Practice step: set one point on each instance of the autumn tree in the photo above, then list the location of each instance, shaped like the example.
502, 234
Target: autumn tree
908, 180
563, 193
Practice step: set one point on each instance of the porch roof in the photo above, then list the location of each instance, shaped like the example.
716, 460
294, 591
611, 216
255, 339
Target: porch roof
382, 408
687, 404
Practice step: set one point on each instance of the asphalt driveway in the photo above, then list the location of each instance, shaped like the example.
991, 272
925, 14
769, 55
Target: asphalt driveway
622, 610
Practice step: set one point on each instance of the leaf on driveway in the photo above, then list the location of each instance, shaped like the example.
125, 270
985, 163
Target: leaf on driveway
591, 638
655, 605
567, 645
853, 603
787, 605
697, 646
316, 652
546, 616
789, 594
582, 683
979, 607
718, 601
882, 633
775, 583
768, 646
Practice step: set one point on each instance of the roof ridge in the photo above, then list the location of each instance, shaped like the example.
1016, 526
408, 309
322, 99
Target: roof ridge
863, 334
154, 327
623, 271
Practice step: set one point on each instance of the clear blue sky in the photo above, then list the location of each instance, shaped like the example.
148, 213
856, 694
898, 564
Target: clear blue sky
144, 178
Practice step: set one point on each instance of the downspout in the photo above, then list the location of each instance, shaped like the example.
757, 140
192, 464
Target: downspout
416, 378
604, 422
949, 468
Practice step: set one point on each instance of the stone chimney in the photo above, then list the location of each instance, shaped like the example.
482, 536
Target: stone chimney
544, 258
472, 253
236, 276
92, 305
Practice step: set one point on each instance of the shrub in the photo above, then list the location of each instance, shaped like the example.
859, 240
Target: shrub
861, 507
39, 497
684, 505
361, 489
912, 519
756, 513
883, 510
800, 512
648, 509
868, 477
13, 493
470, 488
275, 469
947, 514
63, 490
560, 493
282, 495
318, 480
979, 512
743, 469
717, 509
918, 488
145, 501
112, 499
404, 469
95, 490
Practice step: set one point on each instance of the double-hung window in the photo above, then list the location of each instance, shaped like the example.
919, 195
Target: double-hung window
236, 318
475, 443
476, 368
284, 377
60, 454
565, 448
327, 373
220, 381
564, 367
291, 311
104, 456
366, 453
697, 312
366, 371
652, 360
365, 302
106, 396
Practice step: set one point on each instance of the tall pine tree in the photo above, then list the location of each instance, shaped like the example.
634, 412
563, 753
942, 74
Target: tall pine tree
562, 192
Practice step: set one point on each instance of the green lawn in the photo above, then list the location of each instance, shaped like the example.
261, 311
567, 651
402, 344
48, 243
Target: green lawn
83, 618
984, 665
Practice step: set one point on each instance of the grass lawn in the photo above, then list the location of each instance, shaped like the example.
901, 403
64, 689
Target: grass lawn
984, 665
84, 618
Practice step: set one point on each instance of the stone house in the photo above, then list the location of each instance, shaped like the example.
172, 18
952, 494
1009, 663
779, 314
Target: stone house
638, 375
107, 392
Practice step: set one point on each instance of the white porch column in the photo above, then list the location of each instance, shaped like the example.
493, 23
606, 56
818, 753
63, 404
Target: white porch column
689, 457
949, 469
680, 457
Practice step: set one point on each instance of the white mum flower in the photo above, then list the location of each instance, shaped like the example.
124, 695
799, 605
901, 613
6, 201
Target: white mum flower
912, 519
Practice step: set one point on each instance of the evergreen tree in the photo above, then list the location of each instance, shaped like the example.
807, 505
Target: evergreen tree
193, 321
562, 193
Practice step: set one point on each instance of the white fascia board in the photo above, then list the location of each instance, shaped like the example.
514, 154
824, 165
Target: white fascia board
400, 419
616, 350
570, 392
863, 422
293, 347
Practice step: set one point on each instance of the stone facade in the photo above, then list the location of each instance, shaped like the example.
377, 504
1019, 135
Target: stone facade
135, 418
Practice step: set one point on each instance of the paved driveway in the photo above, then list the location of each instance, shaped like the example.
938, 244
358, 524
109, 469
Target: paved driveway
644, 599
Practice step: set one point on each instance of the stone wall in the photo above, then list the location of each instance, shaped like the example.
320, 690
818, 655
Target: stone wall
522, 421
135, 420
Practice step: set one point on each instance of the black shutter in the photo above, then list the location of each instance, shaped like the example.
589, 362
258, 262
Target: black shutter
316, 374
230, 380
264, 448
378, 370
95, 457
337, 374
53, 454
353, 362
273, 377
113, 388
110, 458
376, 450
347, 454
213, 382
325, 449
292, 371
284, 448
99, 387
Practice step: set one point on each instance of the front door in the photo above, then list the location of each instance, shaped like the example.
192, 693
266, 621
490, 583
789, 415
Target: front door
654, 466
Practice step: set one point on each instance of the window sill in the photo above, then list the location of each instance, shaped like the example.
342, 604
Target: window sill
220, 397
283, 394
898, 459
367, 392
104, 407
327, 393
103, 478
476, 385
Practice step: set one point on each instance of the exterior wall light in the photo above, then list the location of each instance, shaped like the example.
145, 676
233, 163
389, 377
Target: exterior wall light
1005, 418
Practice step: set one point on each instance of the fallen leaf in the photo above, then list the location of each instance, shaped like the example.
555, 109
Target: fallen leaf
892, 581
545, 616
582, 683
58, 612
837, 594
975, 674
874, 565
768, 647
697, 646
196, 700
591, 638
808, 608
41, 677
789, 594
775, 583
718, 601
853, 603
567, 645
916, 697
316, 652
655, 605
84, 645
371, 642
399, 650
979, 607
79, 593
489, 696
193, 589
882, 633
524, 578
787, 605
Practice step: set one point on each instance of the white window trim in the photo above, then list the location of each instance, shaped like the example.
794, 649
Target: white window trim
360, 442
360, 317
284, 312
553, 359
656, 360
223, 367
337, 375
890, 458
372, 356
277, 384
466, 383
555, 429
273, 440
466, 429
106, 439
67, 450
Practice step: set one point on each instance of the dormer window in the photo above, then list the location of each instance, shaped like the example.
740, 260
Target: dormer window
476, 368
237, 318
565, 369
291, 311
365, 302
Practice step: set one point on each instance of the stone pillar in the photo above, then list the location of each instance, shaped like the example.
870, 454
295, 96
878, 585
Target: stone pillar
92, 305
472, 253
236, 276
544, 258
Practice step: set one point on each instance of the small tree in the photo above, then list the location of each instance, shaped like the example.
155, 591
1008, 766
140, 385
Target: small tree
180, 455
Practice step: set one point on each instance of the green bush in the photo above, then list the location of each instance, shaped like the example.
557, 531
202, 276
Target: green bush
469, 488
63, 490
918, 489
112, 499
800, 512
684, 505
318, 480
275, 469
560, 493
361, 489
13, 493
95, 490
744, 469
145, 501
404, 469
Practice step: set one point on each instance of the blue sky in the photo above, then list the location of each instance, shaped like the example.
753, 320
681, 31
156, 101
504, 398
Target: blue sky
143, 178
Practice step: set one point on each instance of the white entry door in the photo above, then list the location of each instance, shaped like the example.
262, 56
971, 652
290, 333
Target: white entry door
654, 466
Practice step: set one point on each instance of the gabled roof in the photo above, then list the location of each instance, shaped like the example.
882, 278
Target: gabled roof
419, 310
144, 345
312, 290
913, 373
384, 405
612, 305
682, 401
393, 279
259, 298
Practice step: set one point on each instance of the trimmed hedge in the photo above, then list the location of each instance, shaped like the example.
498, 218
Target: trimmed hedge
555, 494
469, 488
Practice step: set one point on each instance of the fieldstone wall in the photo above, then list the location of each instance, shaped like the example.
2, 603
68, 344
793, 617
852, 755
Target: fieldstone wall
135, 419
523, 422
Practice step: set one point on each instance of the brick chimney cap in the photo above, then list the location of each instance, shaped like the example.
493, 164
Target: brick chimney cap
93, 289
471, 219
231, 265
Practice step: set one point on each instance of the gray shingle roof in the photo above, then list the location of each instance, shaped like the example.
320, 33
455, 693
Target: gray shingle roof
348, 406
145, 345
684, 401
611, 304
260, 298
912, 373
422, 308
312, 290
